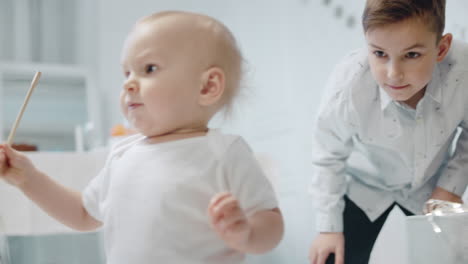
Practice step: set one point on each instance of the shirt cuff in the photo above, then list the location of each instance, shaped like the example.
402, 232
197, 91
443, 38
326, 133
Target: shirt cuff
330, 222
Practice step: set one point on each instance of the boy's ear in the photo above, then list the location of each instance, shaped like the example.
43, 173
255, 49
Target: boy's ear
444, 46
213, 83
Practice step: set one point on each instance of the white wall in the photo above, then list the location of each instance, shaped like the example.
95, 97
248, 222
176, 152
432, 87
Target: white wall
456, 22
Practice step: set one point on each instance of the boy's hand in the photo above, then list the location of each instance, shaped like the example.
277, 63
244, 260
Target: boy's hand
444, 195
229, 221
438, 198
14, 166
326, 244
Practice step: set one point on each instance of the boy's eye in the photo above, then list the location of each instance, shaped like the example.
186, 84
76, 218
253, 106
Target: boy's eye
151, 68
379, 54
413, 55
126, 74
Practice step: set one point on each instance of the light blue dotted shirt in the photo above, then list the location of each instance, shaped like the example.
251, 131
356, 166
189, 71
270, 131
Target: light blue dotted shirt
378, 151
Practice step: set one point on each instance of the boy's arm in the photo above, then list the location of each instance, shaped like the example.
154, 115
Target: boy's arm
337, 121
442, 194
335, 126
332, 146
454, 179
58, 201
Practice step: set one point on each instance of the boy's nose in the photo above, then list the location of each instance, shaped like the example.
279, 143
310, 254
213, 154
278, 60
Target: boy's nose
394, 72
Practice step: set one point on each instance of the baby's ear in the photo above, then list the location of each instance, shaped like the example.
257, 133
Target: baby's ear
212, 89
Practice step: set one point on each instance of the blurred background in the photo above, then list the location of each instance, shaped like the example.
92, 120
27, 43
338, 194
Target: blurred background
290, 47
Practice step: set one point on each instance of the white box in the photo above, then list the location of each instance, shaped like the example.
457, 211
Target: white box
450, 246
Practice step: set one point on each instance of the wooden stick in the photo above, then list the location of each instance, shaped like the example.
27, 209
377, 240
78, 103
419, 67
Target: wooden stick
25, 103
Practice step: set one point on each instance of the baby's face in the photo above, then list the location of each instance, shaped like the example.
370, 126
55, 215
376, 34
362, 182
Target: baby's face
162, 83
402, 57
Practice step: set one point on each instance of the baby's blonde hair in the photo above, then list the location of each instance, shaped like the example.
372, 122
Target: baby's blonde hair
227, 54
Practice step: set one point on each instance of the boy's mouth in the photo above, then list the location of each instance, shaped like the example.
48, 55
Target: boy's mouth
398, 87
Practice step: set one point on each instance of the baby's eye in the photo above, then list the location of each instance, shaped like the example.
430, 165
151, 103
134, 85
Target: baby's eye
379, 54
413, 55
150, 68
126, 74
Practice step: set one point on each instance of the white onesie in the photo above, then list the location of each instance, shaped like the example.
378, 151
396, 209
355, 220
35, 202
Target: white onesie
153, 199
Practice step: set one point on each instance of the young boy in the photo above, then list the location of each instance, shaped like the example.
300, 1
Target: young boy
385, 133
178, 192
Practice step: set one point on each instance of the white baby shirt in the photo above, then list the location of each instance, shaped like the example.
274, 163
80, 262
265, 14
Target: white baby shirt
153, 199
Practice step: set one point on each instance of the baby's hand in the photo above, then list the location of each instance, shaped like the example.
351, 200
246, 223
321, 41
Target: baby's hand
14, 166
229, 221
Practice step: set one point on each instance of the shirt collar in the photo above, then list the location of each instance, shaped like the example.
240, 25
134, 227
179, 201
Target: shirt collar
433, 90
434, 87
385, 99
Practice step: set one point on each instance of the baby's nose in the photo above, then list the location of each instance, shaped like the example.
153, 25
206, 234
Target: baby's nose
131, 85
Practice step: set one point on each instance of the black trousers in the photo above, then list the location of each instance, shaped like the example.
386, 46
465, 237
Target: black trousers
360, 233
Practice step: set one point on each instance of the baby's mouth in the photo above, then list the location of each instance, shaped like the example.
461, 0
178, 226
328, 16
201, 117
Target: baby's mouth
134, 105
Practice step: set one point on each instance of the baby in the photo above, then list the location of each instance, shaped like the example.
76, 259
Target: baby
176, 192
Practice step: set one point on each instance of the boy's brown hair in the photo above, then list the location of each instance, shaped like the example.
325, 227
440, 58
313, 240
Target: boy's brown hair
378, 13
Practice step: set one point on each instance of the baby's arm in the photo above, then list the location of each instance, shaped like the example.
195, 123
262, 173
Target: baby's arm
58, 201
256, 234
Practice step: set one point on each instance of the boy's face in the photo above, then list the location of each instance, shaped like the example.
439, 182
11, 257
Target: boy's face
162, 81
402, 57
